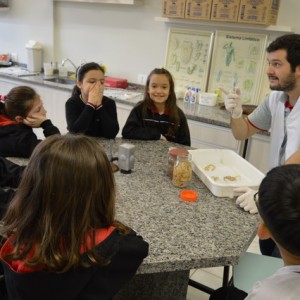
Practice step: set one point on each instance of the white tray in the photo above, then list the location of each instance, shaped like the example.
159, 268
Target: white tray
224, 163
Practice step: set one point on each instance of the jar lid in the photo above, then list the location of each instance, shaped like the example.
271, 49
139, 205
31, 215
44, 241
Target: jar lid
177, 151
188, 195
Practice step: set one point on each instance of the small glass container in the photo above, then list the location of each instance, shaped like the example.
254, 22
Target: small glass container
172, 155
182, 172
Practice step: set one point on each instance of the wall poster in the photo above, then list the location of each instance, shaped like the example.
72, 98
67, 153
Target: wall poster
238, 61
188, 57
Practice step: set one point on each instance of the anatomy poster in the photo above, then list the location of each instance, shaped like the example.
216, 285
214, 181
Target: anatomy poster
188, 57
238, 60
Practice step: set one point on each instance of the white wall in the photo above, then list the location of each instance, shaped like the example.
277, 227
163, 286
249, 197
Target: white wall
24, 21
123, 37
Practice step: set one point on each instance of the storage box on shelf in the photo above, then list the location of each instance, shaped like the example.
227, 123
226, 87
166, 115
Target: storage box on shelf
173, 8
259, 12
224, 10
198, 9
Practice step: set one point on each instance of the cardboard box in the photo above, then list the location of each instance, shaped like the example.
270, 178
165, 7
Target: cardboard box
225, 10
259, 12
115, 82
173, 8
198, 9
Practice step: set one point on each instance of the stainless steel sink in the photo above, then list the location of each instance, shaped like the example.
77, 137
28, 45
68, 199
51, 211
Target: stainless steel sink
61, 80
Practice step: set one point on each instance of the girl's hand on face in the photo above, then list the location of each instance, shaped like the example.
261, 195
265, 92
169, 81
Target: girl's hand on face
96, 93
35, 120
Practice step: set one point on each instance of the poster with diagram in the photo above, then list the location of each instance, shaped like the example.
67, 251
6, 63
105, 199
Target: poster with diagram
188, 57
238, 61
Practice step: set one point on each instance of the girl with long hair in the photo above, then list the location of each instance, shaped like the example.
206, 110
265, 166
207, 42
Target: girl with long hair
88, 111
63, 241
158, 116
21, 110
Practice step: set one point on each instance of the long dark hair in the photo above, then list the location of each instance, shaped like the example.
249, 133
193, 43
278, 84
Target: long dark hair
81, 71
18, 102
171, 105
66, 192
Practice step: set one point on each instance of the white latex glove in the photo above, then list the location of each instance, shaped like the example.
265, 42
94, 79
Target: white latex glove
233, 103
246, 200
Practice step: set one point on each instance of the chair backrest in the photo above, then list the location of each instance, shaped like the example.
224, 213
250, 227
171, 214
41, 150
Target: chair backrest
252, 268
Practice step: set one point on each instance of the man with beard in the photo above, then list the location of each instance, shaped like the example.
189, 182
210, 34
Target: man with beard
279, 113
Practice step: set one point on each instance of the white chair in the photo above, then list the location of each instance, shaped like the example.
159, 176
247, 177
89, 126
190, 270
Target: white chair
252, 268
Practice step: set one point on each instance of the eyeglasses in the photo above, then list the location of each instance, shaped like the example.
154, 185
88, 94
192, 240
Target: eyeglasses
255, 198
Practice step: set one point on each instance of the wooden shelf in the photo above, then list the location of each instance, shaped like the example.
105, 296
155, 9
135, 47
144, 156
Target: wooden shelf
224, 25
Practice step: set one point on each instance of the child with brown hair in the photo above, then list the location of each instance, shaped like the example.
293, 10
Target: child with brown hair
88, 111
63, 241
158, 116
21, 110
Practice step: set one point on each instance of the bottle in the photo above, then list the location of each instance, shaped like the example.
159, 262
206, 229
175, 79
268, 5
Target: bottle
182, 172
193, 96
187, 95
172, 155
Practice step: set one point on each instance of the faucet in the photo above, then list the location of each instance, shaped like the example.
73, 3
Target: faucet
68, 59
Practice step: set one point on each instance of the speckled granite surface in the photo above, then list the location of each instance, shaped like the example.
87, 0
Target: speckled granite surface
182, 236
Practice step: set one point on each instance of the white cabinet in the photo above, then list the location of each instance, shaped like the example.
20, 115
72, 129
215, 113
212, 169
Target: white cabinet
54, 102
258, 152
123, 111
6, 86
206, 136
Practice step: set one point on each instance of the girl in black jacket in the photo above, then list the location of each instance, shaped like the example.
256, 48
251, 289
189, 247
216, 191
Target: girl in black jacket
158, 116
63, 240
88, 111
20, 111
10, 175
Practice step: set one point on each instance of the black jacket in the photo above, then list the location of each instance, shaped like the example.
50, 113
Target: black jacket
154, 125
10, 175
100, 122
19, 140
93, 283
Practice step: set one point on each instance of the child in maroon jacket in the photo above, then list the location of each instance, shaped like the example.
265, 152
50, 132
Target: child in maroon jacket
63, 240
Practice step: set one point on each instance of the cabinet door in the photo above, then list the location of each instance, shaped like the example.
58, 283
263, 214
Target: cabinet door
123, 111
5, 87
205, 136
258, 151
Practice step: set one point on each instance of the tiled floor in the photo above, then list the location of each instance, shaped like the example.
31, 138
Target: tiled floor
212, 277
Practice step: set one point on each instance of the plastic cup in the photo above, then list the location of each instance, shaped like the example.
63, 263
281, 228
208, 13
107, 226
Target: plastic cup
48, 69
62, 71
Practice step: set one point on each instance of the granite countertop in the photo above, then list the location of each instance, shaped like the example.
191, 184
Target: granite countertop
134, 93
182, 235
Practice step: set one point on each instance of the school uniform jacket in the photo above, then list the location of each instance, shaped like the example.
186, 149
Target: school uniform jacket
86, 119
154, 125
19, 140
10, 175
92, 283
